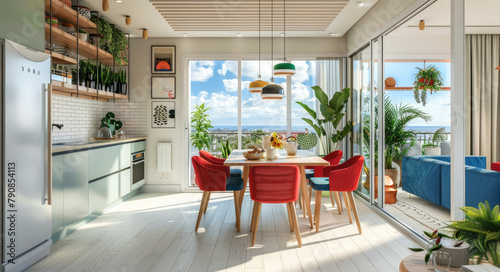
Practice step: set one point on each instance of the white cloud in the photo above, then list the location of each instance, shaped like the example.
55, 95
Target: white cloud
229, 66
438, 107
231, 85
221, 105
201, 70
300, 92
301, 71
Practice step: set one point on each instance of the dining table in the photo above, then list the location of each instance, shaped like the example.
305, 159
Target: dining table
301, 159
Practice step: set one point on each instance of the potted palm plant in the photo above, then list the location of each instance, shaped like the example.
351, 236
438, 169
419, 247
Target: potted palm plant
431, 146
397, 118
428, 79
201, 123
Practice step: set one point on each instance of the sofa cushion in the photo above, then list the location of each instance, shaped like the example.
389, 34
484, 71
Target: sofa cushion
480, 185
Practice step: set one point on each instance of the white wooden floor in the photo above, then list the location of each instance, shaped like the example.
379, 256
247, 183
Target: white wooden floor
155, 232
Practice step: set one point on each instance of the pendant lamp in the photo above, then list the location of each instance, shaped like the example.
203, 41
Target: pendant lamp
284, 68
272, 90
257, 85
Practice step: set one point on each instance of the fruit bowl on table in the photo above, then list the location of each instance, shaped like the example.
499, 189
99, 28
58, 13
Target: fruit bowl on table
255, 154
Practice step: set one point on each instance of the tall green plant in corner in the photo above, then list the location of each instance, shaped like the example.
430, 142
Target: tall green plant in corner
200, 123
332, 112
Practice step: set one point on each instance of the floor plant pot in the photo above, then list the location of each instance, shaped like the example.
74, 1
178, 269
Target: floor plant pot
433, 151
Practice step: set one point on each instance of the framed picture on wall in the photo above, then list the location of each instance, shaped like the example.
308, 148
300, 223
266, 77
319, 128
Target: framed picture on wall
163, 114
163, 87
163, 59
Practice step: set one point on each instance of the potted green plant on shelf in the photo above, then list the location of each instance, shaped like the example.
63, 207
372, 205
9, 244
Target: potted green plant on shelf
397, 134
105, 32
428, 79
118, 47
200, 124
327, 121
481, 230
122, 82
431, 146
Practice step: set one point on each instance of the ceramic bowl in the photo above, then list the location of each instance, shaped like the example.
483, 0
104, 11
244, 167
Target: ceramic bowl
252, 156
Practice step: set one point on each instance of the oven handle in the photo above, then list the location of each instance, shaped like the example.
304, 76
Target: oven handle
138, 161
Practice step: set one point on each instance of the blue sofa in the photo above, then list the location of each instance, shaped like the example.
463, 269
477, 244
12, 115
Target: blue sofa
429, 177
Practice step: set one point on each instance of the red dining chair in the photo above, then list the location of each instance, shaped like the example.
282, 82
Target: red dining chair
339, 178
218, 161
210, 178
317, 171
275, 184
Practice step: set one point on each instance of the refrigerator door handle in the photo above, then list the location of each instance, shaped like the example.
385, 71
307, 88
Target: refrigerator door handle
48, 128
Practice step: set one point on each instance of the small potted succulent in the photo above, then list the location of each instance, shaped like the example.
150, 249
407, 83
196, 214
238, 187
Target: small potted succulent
428, 79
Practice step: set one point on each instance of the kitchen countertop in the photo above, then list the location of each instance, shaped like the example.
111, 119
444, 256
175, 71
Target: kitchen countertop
90, 144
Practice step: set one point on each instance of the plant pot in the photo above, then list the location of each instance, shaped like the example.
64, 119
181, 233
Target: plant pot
124, 89
115, 87
433, 151
390, 82
93, 84
83, 36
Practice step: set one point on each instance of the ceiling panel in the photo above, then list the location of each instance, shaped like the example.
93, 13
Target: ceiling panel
210, 15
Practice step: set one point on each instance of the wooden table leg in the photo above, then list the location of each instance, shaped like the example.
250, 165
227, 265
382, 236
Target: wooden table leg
303, 188
244, 176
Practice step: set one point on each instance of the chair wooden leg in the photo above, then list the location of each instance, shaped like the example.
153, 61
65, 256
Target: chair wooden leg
253, 216
296, 226
331, 198
288, 205
206, 206
204, 201
317, 209
237, 210
304, 207
354, 209
256, 222
347, 206
310, 193
339, 202
299, 200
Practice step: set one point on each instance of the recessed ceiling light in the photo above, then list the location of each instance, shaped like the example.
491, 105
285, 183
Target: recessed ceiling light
184, 35
282, 34
333, 34
238, 35
119, 1
360, 4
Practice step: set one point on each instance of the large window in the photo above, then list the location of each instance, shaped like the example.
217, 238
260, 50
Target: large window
216, 84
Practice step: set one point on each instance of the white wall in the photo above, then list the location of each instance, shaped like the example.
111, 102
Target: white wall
382, 15
397, 46
140, 79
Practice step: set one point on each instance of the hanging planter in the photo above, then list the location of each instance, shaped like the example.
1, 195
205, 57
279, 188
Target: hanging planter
429, 79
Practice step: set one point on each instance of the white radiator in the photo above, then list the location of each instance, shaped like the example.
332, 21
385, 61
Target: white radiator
164, 157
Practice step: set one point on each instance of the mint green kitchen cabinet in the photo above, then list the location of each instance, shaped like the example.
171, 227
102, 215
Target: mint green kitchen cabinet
124, 182
76, 186
57, 194
137, 146
107, 190
108, 160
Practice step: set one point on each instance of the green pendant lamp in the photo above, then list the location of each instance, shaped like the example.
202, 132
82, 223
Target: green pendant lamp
257, 85
284, 68
272, 90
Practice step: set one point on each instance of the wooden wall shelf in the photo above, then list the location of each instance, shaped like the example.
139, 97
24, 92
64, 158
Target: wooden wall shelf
67, 89
411, 88
85, 49
61, 11
61, 59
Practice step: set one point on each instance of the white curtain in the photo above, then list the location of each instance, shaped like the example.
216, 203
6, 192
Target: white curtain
482, 96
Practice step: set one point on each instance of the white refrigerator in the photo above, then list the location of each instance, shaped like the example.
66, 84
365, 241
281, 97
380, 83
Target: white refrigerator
25, 155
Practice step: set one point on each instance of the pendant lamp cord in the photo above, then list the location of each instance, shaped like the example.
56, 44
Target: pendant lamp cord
259, 41
272, 31
284, 31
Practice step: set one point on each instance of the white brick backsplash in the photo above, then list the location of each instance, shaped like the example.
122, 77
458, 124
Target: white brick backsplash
81, 117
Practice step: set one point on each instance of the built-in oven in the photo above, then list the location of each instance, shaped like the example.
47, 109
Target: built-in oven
137, 169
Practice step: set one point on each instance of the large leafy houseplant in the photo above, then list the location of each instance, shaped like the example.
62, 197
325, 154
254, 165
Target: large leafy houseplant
326, 122
481, 230
429, 79
398, 138
200, 123
118, 46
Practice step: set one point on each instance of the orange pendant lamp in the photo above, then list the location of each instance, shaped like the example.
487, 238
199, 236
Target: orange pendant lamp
257, 85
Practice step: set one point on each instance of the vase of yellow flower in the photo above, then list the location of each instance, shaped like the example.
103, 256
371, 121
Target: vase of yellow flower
276, 142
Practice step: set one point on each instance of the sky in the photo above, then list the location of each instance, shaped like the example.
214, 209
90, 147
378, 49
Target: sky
215, 83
